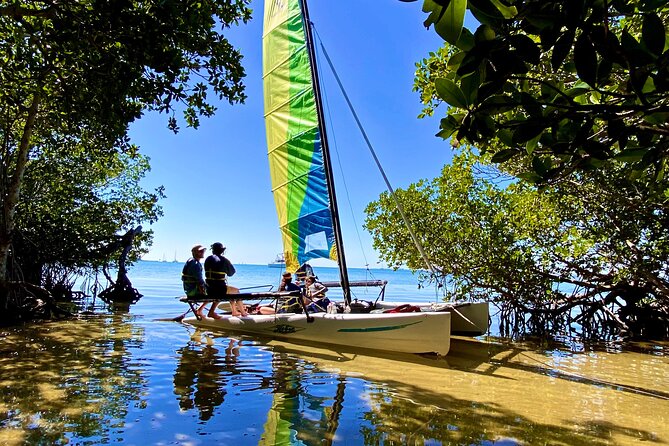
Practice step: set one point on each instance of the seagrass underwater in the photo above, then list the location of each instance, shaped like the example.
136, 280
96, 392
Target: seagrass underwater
121, 376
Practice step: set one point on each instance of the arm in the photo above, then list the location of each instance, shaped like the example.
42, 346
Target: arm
229, 267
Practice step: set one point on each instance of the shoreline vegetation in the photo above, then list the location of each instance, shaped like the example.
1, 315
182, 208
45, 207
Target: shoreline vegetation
555, 207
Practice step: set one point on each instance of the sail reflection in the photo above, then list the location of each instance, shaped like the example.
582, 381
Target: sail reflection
299, 415
483, 394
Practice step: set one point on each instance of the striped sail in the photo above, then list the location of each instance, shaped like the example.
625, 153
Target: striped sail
294, 138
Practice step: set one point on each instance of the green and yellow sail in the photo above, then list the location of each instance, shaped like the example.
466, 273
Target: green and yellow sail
294, 138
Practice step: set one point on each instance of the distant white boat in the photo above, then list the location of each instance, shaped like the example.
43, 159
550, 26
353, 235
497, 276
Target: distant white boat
279, 262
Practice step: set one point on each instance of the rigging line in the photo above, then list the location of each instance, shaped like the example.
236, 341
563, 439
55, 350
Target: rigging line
400, 208
333, 138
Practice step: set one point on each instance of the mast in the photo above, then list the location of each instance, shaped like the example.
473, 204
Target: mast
327, 164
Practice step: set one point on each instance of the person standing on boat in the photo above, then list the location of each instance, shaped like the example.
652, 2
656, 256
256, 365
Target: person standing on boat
217, 268
193, 278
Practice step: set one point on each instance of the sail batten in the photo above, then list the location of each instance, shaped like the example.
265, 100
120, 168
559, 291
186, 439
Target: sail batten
294, 138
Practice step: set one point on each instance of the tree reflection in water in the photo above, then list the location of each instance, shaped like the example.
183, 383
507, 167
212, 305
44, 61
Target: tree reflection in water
68, 379
115, 380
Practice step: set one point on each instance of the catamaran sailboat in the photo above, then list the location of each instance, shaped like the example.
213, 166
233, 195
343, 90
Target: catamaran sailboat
306, 204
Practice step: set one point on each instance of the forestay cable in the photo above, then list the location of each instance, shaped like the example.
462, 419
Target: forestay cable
419, 246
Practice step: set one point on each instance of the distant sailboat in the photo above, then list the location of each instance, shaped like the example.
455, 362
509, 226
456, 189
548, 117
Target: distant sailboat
279, 262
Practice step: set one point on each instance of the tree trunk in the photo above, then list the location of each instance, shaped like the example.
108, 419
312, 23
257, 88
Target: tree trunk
14, 188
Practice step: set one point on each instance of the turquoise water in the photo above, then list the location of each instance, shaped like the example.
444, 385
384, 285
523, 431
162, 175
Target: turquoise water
124, 376
162, 279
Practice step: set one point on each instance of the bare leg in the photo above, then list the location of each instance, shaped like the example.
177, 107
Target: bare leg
198, 312
266, 310
238, 308
242, 308
212, 312
233, 307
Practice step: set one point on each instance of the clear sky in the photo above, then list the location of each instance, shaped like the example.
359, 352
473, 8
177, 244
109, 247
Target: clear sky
217, 177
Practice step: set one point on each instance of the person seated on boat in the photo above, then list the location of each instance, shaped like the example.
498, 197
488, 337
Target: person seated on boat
302, 273
217, 269
193, 278
315, 295
289, 305
287, 283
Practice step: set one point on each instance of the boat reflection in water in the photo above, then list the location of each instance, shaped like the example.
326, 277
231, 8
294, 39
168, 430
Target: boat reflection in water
483, 393
121, 379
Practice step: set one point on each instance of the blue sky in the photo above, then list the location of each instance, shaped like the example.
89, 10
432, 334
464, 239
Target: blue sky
217, 179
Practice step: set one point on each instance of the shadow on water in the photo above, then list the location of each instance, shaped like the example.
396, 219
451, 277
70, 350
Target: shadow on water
120, 379
63, 380
414, 399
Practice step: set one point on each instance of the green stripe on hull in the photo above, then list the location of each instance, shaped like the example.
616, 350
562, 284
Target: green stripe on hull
371, 329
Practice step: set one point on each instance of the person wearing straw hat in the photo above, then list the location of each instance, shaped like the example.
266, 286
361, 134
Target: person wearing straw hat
193, 278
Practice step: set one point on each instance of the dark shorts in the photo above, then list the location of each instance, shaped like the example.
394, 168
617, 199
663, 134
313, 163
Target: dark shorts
319, 306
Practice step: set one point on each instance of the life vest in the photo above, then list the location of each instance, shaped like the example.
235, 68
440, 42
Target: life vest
215, 275
187, 278
291, 305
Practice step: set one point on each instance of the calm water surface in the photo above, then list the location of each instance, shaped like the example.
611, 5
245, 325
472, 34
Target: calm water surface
124, 377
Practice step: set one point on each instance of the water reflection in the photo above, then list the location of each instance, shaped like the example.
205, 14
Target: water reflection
122, 380
298, 414
493, 394
62, 380
202, 374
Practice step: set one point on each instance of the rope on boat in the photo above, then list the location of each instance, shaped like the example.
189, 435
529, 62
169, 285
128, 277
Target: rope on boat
400, 208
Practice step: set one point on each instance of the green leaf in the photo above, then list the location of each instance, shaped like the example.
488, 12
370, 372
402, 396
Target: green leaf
526, 47
657, 118
449, 26
541, 165
653, 33
527, 131
484, 33
450, 93
532, 144
577, 91
497, 104
466, 40
448, 126
504, 155
585, 59
507, 11
633, 50
455, 60
485, 11
631, 155
530, 177
661, 171
469, 86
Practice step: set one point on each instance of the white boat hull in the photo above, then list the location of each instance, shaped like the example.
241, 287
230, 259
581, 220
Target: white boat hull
468, 318
400, 332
